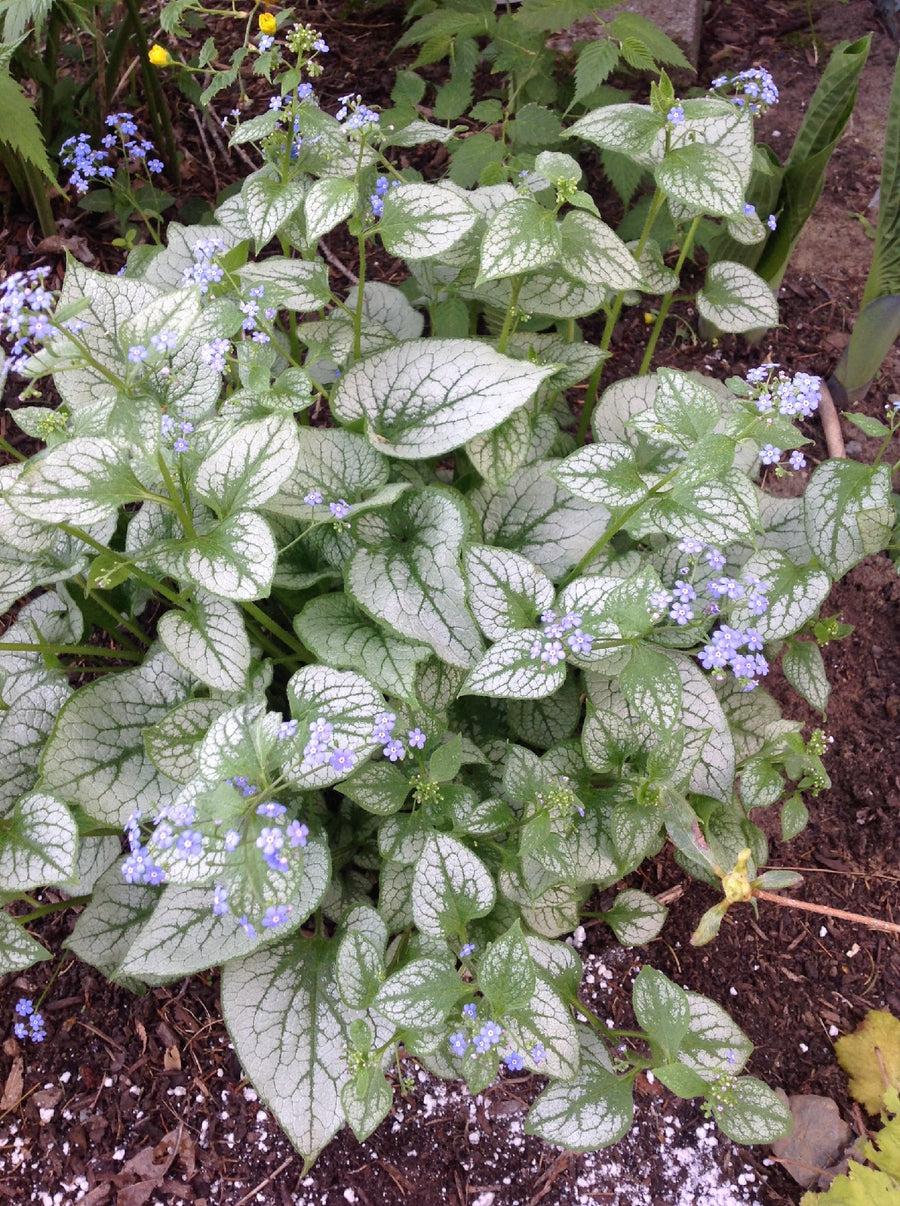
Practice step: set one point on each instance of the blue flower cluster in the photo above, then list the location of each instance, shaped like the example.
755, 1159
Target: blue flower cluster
176, 836
322, 749
250, 310
675, 116
203, 272
178, 432
726, 644
548, 648
790, 396
215, 352
376, 200
340, 509
354, 115
394, 749
25, 304
89, 165
754, 88
31, 1024
750, 211
489, 1035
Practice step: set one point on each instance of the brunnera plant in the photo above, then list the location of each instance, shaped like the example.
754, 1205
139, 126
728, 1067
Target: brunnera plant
381, 700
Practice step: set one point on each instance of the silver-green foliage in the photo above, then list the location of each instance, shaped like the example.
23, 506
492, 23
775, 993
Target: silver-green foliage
380, 704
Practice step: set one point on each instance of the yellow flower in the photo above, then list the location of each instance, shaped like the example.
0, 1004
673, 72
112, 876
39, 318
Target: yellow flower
267, 23
159, 56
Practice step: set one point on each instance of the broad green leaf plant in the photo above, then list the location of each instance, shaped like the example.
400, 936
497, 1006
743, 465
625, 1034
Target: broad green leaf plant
384, 678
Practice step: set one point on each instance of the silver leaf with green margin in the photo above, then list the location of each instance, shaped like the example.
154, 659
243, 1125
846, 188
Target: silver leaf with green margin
25, 535
535, 516
234, 559
451, 886
506, 590
636, 918
603, 473
208, 640
701, 178
292, 284
590, 1111
847, 513
804, 669
549, 291
521, 237
173, 743
18, 950
96, 755
328, 202
389, 308
112, 920
269, 203
510, 671
718, 123
662, 1009
652, 685
592, 251
37, 844
409, 576
339, 463
748, 1111
421, 994
341, 635
544, 1019
24, 728
422, 221
717, 512
83, 481
632, 130
378, 787
423, 398
359, 969
734, 298
497, 454
283, 1013
248, 466
714, 1045
544, 723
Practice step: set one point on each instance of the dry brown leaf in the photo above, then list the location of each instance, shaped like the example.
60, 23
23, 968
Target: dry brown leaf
172, 1060
15, 1082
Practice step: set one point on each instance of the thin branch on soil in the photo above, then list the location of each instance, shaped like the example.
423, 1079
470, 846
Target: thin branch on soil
268, 1181
333, 260
873, 923
831, 425
209, 155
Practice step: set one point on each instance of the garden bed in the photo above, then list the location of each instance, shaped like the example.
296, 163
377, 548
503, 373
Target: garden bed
83, 1112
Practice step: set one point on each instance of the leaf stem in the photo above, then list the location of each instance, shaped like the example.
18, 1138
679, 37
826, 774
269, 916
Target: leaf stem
616, 527
287, 638
125, 655
178, 503
590, 398
512, 313
667, 300
55, 907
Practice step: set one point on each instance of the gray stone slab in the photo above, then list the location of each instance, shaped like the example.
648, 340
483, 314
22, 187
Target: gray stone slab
682, 20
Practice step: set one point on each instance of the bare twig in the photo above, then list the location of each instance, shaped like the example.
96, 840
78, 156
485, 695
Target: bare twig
873, 923
268, 1181
209, 155
831, 425
336, 263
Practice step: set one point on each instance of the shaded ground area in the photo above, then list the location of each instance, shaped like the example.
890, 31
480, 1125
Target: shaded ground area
141, 1100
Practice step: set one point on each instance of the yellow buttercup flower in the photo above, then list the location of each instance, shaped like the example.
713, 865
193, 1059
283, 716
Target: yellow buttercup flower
159, 56
267, 23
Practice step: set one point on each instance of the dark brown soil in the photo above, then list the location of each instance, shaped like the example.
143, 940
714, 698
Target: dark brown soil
83, 1116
